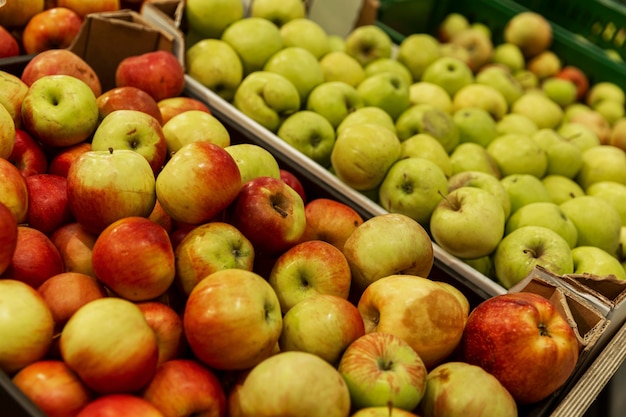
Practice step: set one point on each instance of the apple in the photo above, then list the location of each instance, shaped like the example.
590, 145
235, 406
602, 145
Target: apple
293, 181
210, 19
383, 369
17, 15
612, 192
367, 114
27, 155
367, 43
128, 98
169, 107
413, 186
516, 123
518, 154
255, 40
595, 121
267, 98
449, 73
168, 327
602, 91
363, 163
386, 90
578, 77
311, 133
529, 246
307, 34
449, 49
340, 66
308, 269
111, 347
56, 27
483, 96
278, 12
211, 179
253, 161
564, 156
561, 188
562, 91
105, 186
75, 245
611, 110
182, 387
530, 31
458, 222
13, 191
544, 65
414, 61
384, 305
602, 163
194, 126
503, 330
384, 411
477, 43
475, 125
211, 247
451, 24
470, 156
299, 66
119, 404
10, 46
26, 326
524, 189
13, 90
540, 109
546, 214
53, 387
61, 161
407, 249
510, 55
324, 325
84, 7
7, 133
501, 79
8, 237
596, 261
422, 92
334, 100
206, 62
232, 319
461, 388
389, 65
579, 134
289, 382
48, 208
330, 220
424, 145
61, 62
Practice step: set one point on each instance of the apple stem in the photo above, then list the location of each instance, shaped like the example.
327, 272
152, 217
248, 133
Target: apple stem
445, 197
390, 407
110, 150
534, 254
280, 210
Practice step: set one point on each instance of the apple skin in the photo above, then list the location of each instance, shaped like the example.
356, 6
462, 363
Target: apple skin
61, 161
144, 259
172, 106
26, 326
16, 15
128, 98
522, 340
9, 45
530, 31
75, 244
578, 77
596, 261
269, 213
110, 345
168, 327
7, 132
158, 73
183, 387
13, 191
61, 62
330, 221
48, 208
232, 319
382, 369
385, 411
13, 92
110, 405
194, 126
293, 181
83, 8
209, 20
8, 237
56, 27
27, 155
367, 43
299, 66
53, 387
385, 302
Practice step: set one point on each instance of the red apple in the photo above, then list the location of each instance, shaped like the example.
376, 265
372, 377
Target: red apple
158, 73
35, 258
61, 61
27, 155
60, 163
13, 190
184, 387
84, 7
47, 202
75, 244
168, 327
128, 98
330, 220
269, 213
134, 258
54, 28
8, 237
114, 405
172, 106
53, 387
294, 182
9, 46
522, 340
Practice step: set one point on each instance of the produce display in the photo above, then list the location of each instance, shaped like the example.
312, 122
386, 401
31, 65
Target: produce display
152, 263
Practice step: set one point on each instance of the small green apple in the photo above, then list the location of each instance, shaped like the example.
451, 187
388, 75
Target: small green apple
253, 161
540, 109
604, 90
579, 134
452, 24
417, 51
299, 66
334, 100
510, 55
279, 12
485, 181
527, 79
602, 163
306, 34
367, 43
423, 92
389, 65
564, 157
596, 261
612, 192
562, 188
470, 156
450, 73
386, 90
563, 92
524, 189
424, 118
339, 66
546, 214
518, 154
216, 65
426, 146
611, 110
475, 125
310, 133
191, 126
209, 19
516, 123
501, 79
482, 96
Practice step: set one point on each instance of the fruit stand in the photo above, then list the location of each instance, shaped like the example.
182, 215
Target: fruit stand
591, 305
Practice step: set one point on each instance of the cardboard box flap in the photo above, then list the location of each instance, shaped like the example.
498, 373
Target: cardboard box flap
167, 15
608, 289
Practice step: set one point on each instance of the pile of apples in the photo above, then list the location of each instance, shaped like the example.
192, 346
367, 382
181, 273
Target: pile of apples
425, 127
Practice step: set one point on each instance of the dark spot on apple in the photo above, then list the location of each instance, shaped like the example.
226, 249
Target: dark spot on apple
407, 185
442, 375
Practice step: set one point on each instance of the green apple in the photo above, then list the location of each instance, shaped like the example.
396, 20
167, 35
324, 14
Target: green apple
336, 43
253, 161
334, 100
452, 50
516, 123
450, 73
613, 192
339, 66
485, 181
594, 121
216, 65
478, 45
547, 215
598, 222
191, 126
564, 157
611, 110
268, 98
518, 154
475, 125
426, 146
423, 92
389, 65
593, 260
299, 66
482, 96
424, 118
368, 114
367, 43
255, 40
574, 109
604, 90
452, 24
527, 79
524, 189
579, 134
310, 133
509, 54
278, 11
602, 163
502, 80
417, 51
363, 154
563, 92
468, 223
208, 19
306, 34
562, 188
540, 109
529, 246
473, 157
386, 90
413, 186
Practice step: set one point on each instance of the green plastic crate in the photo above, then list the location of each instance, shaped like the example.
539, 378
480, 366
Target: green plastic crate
400, 18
